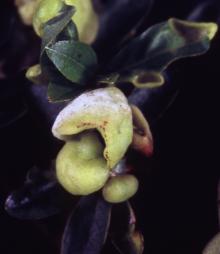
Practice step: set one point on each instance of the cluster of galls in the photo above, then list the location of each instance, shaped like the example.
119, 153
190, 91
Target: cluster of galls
98, 127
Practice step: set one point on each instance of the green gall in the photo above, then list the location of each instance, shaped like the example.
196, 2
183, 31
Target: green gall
104, 109
85, 18
120, 188
80, 166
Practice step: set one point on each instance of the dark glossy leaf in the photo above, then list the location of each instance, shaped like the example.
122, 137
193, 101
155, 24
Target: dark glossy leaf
59, 89
86, 230
69, 33
58, 92
159, 46
55, 26
39, 198
75, 60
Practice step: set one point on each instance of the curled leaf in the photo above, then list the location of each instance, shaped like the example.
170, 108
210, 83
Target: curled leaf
104, 109
160, 45
193, 31
142, 137
145, 79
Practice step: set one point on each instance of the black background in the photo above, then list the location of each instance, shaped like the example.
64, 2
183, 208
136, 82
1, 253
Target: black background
176, 205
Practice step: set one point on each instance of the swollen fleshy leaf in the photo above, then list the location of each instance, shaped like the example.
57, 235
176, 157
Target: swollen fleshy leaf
45, 10
75, 60
87, 227
34, 74
159, 46
120, 188
26, 9
86, 19
80, 166
104, 109
142, 137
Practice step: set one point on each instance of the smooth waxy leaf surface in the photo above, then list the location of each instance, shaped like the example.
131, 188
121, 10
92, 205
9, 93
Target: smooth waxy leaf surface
75, 60
87, 227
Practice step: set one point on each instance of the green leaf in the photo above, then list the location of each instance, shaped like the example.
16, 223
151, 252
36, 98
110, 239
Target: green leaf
58, 92
159, 46
57, 25
75, 60
59, 89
